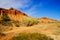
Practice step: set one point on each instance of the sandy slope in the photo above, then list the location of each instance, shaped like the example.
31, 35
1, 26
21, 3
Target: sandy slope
36, 28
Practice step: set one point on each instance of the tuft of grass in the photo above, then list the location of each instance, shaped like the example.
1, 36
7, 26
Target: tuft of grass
1, 34
5, 17
16, 23
5, 20
31, 36
28, 21
6, 23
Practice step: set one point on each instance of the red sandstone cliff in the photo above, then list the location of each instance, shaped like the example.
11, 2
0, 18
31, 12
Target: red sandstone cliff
12, 13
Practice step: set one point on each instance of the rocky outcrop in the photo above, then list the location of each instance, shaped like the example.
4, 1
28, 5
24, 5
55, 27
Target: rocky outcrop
12, 13
47, 20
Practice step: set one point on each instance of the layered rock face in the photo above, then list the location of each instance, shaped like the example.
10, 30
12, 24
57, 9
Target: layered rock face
12, 13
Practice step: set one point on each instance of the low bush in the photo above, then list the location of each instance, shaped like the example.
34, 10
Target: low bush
28, 21
6, 23
31, 36
1, 34
5, 17
16, 23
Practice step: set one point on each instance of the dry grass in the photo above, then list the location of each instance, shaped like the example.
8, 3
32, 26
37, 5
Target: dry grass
31, 25
31, 36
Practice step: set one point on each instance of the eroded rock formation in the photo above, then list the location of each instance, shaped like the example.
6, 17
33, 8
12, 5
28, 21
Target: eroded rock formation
12, 13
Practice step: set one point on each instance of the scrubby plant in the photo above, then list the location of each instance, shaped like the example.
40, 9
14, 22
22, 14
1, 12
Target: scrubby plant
11, 8
5, 17
16, 23
6, 23
1, 34
24, 21
5, 20
28, 21
58, 24
31, 36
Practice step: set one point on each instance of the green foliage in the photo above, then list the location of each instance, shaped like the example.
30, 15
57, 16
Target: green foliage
11, 8
6, 23
5, 17
31, 36
1, 34
28, 21
16, 23
24, 21
5, 20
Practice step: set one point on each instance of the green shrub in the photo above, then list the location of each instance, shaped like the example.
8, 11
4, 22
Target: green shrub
1, 34
28, 21
5, 17
11, 8
16, 23
5, 20
31, 36
6, 23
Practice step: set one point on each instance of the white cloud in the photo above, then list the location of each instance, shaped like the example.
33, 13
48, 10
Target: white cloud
14, 3
33, 9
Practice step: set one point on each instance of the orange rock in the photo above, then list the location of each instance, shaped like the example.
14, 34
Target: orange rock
12, 13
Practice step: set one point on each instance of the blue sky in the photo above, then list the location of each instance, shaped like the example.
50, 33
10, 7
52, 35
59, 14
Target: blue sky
35, 8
